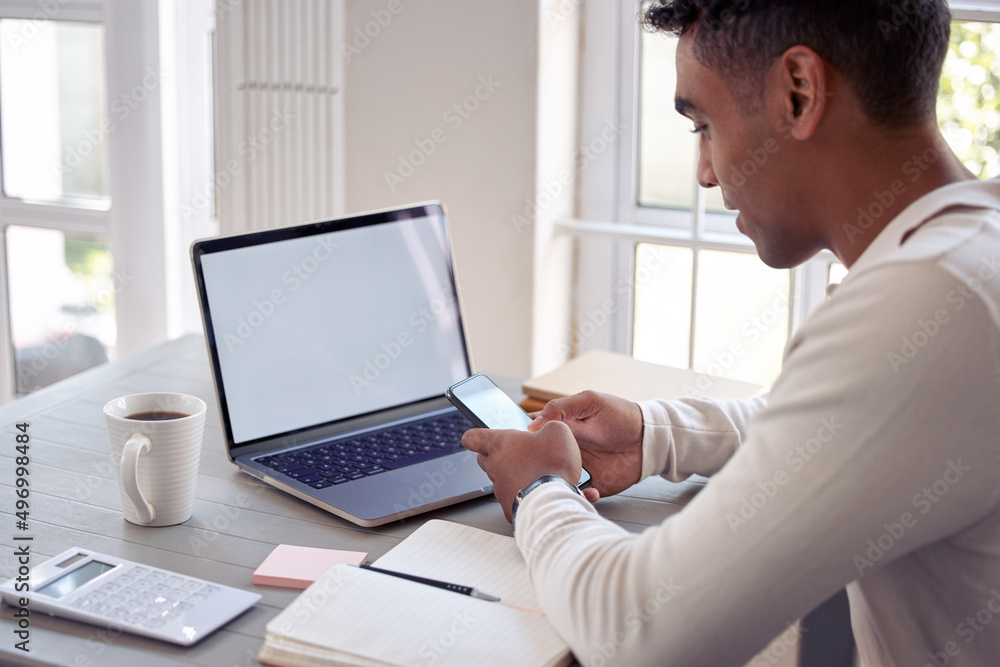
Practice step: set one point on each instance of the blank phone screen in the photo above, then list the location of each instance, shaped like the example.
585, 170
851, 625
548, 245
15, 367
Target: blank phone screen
488, 402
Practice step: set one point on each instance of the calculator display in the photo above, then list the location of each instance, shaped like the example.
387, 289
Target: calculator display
71, 581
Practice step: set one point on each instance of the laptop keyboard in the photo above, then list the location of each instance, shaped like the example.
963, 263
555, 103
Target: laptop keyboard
372, 453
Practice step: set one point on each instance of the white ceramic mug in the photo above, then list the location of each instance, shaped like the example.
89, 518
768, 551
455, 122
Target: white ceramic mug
155, 456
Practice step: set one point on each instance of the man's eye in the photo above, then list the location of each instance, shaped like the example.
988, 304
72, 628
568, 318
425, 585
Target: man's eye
699, 129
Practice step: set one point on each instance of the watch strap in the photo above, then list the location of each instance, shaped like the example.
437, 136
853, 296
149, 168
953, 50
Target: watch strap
523, 493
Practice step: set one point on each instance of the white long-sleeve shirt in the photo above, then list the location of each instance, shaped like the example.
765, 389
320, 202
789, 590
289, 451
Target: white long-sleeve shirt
874, 464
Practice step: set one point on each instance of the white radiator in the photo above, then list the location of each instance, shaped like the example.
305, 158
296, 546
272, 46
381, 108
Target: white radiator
278, 112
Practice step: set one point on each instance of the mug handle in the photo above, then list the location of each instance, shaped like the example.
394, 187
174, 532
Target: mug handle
136, 446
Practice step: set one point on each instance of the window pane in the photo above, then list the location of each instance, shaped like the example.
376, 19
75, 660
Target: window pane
53, 106
662, 332
668, 151
741, 323
969, 99
836, 274
62, 304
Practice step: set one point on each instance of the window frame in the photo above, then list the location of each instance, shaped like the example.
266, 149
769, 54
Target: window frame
132, 42
610, 221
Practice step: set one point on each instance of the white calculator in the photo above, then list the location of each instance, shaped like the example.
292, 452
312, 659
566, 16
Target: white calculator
113, 592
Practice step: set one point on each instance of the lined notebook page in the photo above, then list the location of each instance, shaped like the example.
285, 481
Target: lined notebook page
466, 556
383, 619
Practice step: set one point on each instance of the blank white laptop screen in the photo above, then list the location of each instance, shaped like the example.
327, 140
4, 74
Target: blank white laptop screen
315, 329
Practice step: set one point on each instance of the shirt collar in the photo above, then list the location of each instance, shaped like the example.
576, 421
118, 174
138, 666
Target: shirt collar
970, 194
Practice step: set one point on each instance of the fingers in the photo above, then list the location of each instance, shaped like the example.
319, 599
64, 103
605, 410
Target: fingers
591, 494
577, 406
480, 440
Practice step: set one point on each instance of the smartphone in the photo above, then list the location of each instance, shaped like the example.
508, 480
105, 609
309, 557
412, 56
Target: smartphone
487, 406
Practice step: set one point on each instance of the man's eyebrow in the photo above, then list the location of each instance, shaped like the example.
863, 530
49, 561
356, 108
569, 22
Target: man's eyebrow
684, 106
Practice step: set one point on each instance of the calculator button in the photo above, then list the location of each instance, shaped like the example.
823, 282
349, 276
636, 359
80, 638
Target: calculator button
191, 585
173, 580
114, 600
139, 571
125, 579
130, 592
100, 608
208, 590
119, 614
131, 606
159, 589
97, 595
162, 601
182, 606
156, 575
153, 623
109, 587
178, 593
143, 583
149, 611
144, 598
81, 603
194, 598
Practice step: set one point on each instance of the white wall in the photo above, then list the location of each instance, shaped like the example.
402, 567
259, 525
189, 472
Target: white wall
402, 82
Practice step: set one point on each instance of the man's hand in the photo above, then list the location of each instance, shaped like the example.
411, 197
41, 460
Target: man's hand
608, 431
514, 459
602, 432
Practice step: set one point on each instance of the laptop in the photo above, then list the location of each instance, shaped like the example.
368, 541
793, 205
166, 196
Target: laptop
331, 344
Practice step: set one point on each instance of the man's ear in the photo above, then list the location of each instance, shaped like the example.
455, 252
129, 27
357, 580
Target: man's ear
802, 82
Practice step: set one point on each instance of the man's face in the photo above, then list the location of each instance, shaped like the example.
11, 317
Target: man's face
743, 153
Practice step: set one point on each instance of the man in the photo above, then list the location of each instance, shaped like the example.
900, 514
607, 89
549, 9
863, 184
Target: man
875, 461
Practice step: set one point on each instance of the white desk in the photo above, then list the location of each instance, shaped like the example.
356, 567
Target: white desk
237, 519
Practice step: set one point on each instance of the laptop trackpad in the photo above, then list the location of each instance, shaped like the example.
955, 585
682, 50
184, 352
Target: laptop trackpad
441, 480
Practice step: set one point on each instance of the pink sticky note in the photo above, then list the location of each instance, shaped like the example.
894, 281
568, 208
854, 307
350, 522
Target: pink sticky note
289, 566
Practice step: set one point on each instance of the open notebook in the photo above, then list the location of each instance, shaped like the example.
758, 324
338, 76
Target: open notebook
358, 617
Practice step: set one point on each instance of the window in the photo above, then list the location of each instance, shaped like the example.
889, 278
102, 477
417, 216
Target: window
968, 104
89, 267
54, 162
698, 295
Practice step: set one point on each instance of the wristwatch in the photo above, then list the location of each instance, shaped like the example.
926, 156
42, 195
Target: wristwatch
522, 494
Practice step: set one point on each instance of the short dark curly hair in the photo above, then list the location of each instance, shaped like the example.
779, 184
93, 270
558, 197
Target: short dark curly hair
890, 52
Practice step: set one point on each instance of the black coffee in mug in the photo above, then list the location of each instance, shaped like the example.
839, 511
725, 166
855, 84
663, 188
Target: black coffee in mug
156, 416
